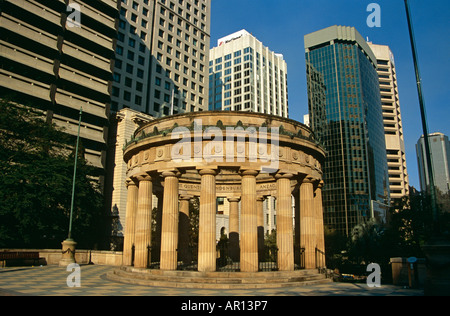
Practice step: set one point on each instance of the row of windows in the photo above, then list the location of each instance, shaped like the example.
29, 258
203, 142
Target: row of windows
187, 15
132, 29
188, 5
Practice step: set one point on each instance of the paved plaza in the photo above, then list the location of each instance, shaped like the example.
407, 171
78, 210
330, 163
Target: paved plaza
51, 280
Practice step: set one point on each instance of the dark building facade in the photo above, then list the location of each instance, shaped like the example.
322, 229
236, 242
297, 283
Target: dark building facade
345, 112
57, 58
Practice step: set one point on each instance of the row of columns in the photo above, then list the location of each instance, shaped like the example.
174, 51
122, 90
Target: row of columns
246, 236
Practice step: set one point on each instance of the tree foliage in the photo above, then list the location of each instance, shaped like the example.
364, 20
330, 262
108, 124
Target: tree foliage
409, 227
36, 170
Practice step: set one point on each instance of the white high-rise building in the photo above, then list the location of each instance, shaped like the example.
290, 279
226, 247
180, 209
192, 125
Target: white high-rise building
244, 75
392, 120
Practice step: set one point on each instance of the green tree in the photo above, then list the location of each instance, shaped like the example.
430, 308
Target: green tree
36, 170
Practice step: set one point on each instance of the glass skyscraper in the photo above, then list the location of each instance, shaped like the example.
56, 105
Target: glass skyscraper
440, 162
345, 113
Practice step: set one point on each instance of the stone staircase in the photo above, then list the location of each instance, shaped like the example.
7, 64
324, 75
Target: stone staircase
216, 280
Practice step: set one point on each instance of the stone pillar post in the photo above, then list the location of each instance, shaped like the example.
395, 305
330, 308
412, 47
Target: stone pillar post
68, 253
169, 228
285, 239
307, 222
130, 223
234, 228
207, 222
260, 224
183, 238
318, 208
143, 222
249, 232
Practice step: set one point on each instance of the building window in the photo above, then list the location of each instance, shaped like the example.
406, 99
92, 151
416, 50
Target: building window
128, 82
129, 69
115, 91
138, 100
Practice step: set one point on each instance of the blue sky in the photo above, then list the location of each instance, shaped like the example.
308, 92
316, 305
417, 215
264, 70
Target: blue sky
281, 25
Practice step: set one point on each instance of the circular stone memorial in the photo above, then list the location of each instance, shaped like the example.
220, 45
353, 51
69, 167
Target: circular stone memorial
240, 156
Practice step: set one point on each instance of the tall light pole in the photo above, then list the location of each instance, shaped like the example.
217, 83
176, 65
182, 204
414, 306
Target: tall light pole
436, 228
69, 237
68, 245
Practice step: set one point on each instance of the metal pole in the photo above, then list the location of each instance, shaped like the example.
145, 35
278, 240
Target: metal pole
436, 228
74, 176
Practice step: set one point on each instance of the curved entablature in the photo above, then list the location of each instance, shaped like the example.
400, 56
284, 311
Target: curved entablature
225, 140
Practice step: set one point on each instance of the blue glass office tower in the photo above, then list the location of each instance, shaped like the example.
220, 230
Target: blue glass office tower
346, 115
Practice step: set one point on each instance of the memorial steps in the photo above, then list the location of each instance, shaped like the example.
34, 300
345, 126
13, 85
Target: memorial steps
217, 280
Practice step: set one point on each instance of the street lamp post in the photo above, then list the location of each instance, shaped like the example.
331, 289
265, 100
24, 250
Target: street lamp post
434, 210
437, 249
68, 245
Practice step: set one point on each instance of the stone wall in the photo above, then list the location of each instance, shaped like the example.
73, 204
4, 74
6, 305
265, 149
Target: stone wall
53, 256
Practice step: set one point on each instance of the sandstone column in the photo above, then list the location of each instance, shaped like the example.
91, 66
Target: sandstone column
169, 228
285, 239
234, 228
143, 222
130, 222
307, 222
184, 225
207, 222
318, 210
249, 232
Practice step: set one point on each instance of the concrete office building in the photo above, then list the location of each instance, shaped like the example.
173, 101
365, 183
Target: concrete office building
440, 161
392, 120
343, 88
160, 69
162, 54
244, 75
50, 62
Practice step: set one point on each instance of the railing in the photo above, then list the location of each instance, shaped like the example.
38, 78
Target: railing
268, 258
228, 261
299, 255
320, 260
187, 259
